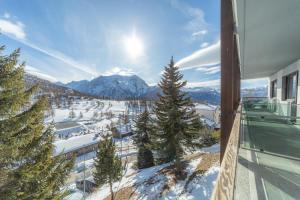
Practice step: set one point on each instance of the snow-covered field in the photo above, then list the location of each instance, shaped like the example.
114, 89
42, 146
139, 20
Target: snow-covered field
95, 118
85, 110
88, 108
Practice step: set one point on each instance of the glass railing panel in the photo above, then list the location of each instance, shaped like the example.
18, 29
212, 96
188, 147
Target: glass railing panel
271, 127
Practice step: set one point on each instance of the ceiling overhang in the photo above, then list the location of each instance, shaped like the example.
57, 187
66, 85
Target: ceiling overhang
268, 35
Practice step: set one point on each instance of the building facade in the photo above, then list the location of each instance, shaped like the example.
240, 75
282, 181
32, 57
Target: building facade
260, 137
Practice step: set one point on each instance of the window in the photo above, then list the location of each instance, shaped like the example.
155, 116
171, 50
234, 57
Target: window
274, 89
289, 85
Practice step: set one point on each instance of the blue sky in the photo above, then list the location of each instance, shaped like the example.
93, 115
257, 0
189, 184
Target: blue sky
78, 39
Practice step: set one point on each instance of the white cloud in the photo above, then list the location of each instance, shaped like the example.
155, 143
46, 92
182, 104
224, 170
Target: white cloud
152, 84
211, 83
208, 56
210, 70
214, 71
197, 24
199, 33
38, 73
62, 57
204, 44
15, 29
119, 71
6, 15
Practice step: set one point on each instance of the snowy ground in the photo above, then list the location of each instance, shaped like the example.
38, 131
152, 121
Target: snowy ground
158, 183
95, 116
87, 108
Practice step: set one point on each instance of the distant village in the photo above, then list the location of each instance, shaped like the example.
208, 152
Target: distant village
79, 124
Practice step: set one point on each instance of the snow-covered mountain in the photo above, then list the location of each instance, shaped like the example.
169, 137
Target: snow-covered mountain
50, 88
120, 87
255, 92
114, 86
205, 94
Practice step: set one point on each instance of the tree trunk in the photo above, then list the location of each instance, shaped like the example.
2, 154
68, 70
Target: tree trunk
178, 166
111, 190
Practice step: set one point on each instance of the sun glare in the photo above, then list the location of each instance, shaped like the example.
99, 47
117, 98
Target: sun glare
133, 46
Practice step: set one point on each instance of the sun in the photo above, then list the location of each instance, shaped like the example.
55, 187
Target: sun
133, 46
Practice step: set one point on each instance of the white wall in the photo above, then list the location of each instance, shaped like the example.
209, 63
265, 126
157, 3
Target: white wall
283, 72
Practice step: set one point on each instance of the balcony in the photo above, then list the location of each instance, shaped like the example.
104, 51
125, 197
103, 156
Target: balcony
262, 158
270, 127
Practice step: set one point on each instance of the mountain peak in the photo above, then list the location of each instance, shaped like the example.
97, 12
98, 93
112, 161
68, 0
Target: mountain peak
121, 87
115, 86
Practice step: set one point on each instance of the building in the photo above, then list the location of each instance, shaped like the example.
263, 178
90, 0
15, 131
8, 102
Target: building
124, 130
77, 145
208, 123
67, 129
260, 137
210, 115
206, 111
87, 185
217, 116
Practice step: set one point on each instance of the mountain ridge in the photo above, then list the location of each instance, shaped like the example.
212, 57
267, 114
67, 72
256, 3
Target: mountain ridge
121, 87
49, 88
115, 86
127, 87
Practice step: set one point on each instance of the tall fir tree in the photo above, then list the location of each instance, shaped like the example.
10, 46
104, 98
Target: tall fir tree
80, 115
28, 169
108, 165
178, 125
144, 128
72, 114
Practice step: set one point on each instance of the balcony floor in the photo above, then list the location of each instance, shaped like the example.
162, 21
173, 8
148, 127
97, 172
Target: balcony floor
269, 159
264, 176
274, 137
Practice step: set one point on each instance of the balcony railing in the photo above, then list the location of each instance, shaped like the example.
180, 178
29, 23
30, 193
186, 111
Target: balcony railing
267, 127
271, 127
224, 187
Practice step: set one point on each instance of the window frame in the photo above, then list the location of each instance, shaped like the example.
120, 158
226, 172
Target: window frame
273, 91
286, 81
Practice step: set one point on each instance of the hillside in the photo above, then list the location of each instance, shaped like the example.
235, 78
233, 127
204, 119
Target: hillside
52, 89
159, 183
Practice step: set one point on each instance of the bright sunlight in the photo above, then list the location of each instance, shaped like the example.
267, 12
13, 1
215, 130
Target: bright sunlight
133, 45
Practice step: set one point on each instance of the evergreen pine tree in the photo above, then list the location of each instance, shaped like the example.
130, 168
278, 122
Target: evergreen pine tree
95, 115
72, 114
178, 125
80, 115
144, 128
28, 169
108, 165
